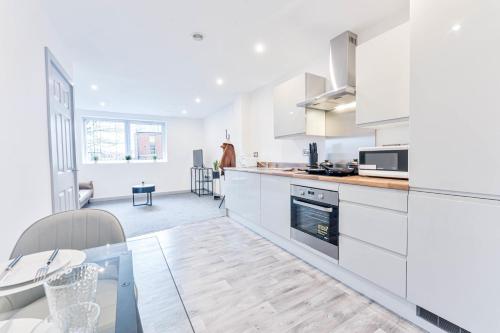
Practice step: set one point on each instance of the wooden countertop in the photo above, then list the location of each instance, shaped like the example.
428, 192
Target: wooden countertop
396, 184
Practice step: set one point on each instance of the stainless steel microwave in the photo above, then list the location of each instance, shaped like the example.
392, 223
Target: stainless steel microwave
385, 161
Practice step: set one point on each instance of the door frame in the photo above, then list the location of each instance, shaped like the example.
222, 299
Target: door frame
51, 60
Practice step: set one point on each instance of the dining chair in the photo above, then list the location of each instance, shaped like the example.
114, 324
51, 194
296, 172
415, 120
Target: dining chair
76, 229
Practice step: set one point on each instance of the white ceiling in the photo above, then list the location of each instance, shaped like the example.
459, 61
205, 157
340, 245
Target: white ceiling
142, 56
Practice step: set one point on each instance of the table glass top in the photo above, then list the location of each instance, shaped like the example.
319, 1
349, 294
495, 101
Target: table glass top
160, 308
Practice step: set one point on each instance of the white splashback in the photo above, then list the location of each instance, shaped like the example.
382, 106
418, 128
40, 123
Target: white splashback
346, 149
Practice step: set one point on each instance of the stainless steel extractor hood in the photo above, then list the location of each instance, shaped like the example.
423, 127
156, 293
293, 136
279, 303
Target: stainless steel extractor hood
342, 75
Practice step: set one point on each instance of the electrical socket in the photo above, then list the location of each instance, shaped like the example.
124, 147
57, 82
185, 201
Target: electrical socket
255, 154
305, 152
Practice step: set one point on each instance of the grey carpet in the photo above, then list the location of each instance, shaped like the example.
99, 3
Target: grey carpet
167, 211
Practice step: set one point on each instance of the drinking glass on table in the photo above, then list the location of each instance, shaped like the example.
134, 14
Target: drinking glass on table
78, 318
76, 285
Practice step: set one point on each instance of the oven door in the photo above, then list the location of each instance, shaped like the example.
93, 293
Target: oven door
315, 224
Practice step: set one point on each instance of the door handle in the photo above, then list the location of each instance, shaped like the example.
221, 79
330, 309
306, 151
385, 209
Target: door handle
305, 204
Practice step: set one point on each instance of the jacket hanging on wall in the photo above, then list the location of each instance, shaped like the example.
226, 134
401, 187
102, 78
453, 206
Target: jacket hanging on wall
228, 155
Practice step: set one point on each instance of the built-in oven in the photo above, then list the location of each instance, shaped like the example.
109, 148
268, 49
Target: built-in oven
315, 218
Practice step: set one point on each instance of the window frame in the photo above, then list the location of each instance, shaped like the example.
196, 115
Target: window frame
127, 122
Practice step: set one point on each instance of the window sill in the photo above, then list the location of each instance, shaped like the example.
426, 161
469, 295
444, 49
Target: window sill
126, 162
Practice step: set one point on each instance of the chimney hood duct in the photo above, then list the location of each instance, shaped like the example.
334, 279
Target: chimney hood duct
342, 75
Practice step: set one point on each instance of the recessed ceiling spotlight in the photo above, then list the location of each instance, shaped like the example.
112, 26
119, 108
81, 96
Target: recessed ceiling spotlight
219, 81
184, 111
259, 48
197, 100
94, 87
197, 36
456, 27
103, 104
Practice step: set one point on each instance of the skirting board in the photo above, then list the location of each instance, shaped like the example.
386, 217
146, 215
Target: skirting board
329, 266
129, 197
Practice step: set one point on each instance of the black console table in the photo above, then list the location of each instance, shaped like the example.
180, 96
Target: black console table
202, 182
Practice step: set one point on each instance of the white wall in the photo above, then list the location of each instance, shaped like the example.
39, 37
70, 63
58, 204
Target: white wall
25, 169
114, 179
215, 126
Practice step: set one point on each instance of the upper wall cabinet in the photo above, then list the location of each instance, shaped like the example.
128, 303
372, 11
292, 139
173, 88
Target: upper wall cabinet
383, 78
292, 120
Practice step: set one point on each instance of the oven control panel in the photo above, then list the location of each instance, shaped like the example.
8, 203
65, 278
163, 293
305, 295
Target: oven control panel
315, 194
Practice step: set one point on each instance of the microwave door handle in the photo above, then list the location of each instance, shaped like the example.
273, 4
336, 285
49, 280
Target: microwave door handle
305, 204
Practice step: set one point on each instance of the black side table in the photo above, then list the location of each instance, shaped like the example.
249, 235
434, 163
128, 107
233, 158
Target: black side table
143, 188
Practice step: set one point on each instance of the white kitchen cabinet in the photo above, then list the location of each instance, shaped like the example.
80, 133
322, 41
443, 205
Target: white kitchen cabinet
243, 194
230, 186
377, 197
275, 204
381, 227
383, 78
454, 96
454, 259
384, 268
292, 120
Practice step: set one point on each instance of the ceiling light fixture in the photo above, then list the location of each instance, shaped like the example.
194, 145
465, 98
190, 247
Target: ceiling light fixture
346, 107
94, 87
197, 100
456, 27
103, 104
259, 48
197, 36
219, 81
184, 111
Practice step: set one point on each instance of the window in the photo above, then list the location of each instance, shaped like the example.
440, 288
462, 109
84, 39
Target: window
113, 140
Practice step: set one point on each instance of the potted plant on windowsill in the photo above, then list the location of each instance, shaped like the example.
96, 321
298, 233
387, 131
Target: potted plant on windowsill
155, 158
95, 158
128, 158
216, 171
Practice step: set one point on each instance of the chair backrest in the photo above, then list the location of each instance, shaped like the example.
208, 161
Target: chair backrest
76, 229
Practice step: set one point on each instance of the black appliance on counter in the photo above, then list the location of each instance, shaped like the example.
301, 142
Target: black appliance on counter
327, 168
315, 218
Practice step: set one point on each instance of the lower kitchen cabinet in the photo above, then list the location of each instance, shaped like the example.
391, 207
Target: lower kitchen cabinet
275, 204
373, 231
382, 227
243, 194
454, 259
384, 268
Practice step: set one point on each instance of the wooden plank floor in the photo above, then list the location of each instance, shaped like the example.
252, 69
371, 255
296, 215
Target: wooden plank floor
233, 280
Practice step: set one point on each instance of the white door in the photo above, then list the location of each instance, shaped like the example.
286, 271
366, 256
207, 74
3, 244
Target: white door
61, 136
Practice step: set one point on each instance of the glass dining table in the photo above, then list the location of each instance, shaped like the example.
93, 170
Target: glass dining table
136, 290
147, 298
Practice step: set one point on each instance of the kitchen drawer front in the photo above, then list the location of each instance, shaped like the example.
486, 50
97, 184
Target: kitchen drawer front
378, 197
381, 227
379, 266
